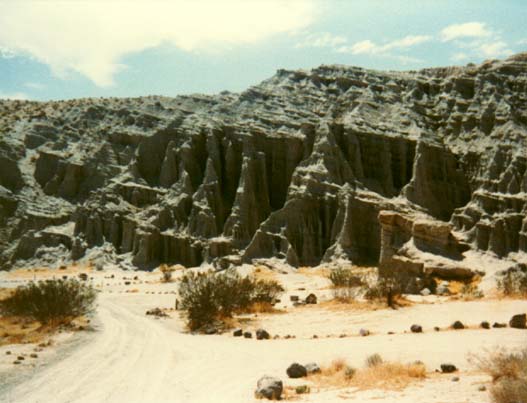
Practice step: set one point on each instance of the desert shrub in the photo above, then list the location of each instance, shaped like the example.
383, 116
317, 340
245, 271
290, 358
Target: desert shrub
50, 301
374, 360
471, 291
344, 277
208, 297
166, 273
509, 375
388, 287
513, 283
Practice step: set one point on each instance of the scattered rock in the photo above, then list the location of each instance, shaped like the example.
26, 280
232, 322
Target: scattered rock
312, 368
482, 388
448, 368
311, 299
157, 312
484, 325
497, 325
269, 387
294, 298
416, 329
127, 283
425, 292
455, 379
262, 334
83, 276
8, 352
248, 335
33, 355
302, 389
237, 333
437, 328
20, 358
16, 362
518, 321
296, 370
457, 325
364, 332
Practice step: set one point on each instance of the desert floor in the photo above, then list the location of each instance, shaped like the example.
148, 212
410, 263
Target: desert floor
127, 356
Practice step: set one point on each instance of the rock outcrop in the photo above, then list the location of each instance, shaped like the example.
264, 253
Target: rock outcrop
408, 170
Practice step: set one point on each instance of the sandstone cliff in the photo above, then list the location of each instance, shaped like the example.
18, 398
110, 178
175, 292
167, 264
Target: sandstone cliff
395, 168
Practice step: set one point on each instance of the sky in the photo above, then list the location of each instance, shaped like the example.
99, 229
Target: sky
51, 49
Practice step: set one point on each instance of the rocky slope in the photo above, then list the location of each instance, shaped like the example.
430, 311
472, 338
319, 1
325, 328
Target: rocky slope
405, 169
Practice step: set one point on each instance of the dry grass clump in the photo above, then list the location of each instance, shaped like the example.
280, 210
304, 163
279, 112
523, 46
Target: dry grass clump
509, 375
166, 273
377, 374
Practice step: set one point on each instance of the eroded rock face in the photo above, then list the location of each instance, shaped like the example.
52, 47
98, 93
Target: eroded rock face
336, 163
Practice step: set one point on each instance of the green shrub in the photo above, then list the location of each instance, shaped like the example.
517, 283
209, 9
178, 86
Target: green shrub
208, 297
50, 300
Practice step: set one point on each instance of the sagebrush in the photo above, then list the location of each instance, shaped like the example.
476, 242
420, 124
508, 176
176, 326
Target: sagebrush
208, 297
50, 300
509, 375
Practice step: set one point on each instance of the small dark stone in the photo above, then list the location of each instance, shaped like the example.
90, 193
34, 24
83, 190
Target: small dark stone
248, 335
20, 358
482, 388
294, 298
436, 328
518, 321
416, 329
455, 379
262, 334
485, 325
296, 370
83, 276
364, 332
497, 325
269, 388
448, 368
126, 283
311, 299
237, 333
457, 325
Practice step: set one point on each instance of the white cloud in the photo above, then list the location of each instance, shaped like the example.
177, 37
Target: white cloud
459, 57
522, 42
494, 49
34, 86
371, 48
91, 37
466, 30
6, 53
322, 40
13, 95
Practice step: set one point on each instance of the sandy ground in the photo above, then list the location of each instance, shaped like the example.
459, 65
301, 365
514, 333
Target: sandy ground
131, 357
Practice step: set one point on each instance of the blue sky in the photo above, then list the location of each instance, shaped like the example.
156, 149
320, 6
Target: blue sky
70, 49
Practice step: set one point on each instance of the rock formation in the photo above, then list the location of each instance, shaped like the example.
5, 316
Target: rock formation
336, 163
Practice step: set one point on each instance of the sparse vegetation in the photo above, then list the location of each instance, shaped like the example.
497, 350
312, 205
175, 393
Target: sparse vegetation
513, 284
388, 375
209, 297
166, 273
374, 360
346, 284
509, 375
388, 287
50, 301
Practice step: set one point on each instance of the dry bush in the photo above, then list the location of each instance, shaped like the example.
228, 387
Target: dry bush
374, 360
50, 301
509, 375
166, 273
388, 375
513, 284
209, 297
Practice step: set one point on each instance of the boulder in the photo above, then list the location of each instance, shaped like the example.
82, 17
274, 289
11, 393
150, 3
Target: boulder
269, 387
262, 334
247, 335
416, 329
312, 368
484, 325
237, 332
311, 299
296, 370
458, 325
519, 321
448, 368
364, 332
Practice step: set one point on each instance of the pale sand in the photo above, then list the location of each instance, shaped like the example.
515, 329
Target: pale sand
132, 357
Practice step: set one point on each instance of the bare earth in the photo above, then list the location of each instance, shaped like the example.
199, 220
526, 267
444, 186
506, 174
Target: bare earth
131, 357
